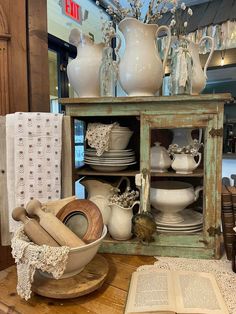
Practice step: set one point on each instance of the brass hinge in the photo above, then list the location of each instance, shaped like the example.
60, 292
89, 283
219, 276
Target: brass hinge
214, 231
216, 132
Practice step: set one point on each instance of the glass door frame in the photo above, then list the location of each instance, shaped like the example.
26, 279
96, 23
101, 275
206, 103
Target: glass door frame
64, 51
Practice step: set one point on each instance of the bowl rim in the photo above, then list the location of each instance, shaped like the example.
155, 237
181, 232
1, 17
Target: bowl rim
182, 185
86, 246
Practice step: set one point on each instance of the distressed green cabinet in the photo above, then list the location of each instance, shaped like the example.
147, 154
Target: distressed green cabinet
152, 119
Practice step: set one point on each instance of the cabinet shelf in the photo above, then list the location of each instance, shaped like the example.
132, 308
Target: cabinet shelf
185, 245
196, 173
86, 171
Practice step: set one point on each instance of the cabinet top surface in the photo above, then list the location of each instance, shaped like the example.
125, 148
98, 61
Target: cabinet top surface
149, 99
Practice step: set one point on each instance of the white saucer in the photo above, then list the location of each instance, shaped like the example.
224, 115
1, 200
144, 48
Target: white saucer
110, 154
180, 231
191, 218
110, 160
99, 162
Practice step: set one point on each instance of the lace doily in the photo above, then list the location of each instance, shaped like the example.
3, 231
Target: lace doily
29, 257
221, 269
98, 136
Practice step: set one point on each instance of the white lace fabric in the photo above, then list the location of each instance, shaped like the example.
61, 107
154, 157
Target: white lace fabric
221, 269
98, 136
29, 257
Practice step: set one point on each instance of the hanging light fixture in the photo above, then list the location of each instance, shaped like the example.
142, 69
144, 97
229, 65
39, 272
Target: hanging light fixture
222, 61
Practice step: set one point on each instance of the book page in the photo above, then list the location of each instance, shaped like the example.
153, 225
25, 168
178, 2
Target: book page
198, 293
150, 291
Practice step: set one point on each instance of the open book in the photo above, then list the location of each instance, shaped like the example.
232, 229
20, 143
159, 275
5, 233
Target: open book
164, 292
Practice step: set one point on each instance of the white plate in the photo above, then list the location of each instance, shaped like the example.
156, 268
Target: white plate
107, 154
182, 231
111, 164
110, 168
108, 161
191, 218
109, 151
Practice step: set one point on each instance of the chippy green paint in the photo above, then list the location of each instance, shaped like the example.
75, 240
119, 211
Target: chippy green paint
203, 111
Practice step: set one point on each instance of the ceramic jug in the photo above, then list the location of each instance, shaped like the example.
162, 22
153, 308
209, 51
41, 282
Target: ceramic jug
185, 163
141, 70
83, 71
160, 159
120, 222
199, 76
183, 136
99, 192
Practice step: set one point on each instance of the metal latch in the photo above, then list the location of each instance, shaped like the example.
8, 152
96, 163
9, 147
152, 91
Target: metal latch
214, 231
216, 132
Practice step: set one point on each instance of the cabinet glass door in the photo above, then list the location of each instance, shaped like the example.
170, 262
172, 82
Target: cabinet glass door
181, 166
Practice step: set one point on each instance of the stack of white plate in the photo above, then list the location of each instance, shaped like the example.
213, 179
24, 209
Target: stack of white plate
193, 222
113, 160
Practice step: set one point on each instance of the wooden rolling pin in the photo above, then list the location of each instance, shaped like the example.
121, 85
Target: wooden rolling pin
60, 232
32, 228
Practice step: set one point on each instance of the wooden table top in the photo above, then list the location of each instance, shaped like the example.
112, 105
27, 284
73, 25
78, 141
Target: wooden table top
110, 298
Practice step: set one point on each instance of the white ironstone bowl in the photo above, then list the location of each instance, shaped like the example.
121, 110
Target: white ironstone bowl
79, 257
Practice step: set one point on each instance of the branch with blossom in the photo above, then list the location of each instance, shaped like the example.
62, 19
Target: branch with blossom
156, 9
180, 17
125, 199
188, 149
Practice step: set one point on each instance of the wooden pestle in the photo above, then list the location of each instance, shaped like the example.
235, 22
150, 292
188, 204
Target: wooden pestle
60, 232
32, 228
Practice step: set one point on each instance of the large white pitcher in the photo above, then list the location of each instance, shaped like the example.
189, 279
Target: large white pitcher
199, 76
83, 71
141, 70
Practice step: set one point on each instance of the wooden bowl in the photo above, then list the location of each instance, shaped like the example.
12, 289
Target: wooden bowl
84, 218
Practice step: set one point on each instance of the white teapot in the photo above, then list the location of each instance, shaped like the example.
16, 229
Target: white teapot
160, 159
199, 76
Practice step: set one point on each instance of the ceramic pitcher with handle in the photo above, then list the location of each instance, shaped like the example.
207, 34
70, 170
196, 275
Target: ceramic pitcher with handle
83, 71
99, 192
120, 222
199, 75
141, 70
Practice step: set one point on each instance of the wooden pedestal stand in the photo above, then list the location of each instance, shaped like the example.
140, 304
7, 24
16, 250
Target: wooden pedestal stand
90, 279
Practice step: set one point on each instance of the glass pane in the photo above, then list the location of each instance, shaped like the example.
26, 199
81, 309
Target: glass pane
53, 80
177, 179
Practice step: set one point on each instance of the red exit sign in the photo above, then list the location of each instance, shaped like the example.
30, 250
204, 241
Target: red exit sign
72, 9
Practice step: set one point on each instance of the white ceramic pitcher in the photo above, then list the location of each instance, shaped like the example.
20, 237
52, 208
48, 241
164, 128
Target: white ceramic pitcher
185, 163
183, 136
141, 70
99, 192
199, 76
120, 222
83, 71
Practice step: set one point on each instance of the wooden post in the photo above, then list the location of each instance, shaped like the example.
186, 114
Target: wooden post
38, 56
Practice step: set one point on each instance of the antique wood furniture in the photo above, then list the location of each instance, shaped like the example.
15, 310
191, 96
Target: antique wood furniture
110, 298
151, 119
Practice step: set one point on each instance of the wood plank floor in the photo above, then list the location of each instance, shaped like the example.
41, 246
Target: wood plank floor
110, 298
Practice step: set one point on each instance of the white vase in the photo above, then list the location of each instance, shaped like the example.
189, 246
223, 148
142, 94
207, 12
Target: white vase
199, 76
141, 70
160, 160
185, 163
83, 71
